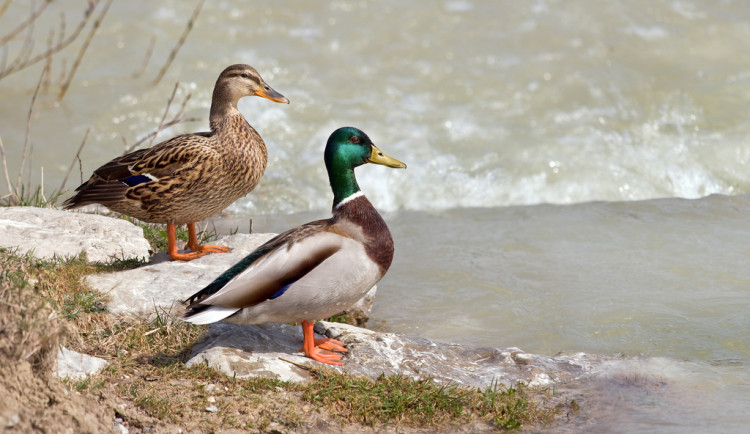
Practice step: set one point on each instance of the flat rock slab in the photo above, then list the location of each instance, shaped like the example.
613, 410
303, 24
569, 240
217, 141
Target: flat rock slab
50, 232
273, 350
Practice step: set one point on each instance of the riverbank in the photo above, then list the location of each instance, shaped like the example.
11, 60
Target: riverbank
150, 384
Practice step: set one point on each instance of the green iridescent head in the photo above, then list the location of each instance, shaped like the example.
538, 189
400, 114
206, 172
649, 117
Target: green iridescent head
347, 148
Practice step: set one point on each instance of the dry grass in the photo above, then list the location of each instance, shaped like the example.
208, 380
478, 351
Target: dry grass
29, 326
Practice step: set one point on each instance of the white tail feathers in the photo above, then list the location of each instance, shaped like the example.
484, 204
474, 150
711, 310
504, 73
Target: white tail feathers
211, 315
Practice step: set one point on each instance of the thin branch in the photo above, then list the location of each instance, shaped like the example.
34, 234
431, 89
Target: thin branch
180, 42
166, 110
31, 163
5, 169
147, 58
85, 46
25, 59
28, 128
73, 163
4, 7
26, 24
155, 132
41, 185
177, 118
63, 24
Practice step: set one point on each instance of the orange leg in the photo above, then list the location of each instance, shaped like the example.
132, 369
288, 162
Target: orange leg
193, 245
172, 247
319, 349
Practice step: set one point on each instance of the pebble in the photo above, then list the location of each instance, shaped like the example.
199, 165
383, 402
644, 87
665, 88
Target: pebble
12, 420
119, 427
211, 399
212, 409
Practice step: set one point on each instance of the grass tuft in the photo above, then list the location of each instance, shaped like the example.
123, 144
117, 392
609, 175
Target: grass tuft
394, 399
406, 401
26, 196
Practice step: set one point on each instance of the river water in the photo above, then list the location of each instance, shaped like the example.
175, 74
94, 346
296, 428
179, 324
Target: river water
577, 174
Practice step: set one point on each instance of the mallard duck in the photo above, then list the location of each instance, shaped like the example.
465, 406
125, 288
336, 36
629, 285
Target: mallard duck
190, 177
315, 270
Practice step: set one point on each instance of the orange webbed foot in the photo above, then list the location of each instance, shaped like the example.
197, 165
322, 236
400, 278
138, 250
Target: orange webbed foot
324, 356
207, 248
321, 350
187, 256
330, 345
193, 245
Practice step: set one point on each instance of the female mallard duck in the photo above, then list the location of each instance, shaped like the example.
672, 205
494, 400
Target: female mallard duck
190, 177
315, 270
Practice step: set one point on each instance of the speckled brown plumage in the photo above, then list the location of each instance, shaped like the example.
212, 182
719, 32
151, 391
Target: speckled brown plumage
190, 177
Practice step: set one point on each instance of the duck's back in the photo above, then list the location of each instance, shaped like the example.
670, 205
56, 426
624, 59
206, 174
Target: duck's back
195, 175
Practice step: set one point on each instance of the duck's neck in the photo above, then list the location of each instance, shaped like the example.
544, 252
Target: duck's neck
343, 182
223, 105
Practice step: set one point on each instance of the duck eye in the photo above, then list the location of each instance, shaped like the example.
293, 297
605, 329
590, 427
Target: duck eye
355, 139
244, 75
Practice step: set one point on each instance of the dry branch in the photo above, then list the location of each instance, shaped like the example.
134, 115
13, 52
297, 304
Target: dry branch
85, 46
26, 24
147, 57
25, 59
180, 42
73, 163
176, 119
4, 7
28, 129
5, 168
166, 110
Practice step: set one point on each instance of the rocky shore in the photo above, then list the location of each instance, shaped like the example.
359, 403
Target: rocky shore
272, 350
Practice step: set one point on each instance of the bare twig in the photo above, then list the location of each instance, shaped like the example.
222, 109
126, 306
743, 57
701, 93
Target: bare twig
300, 365
5, 169
166, 110
25, 59
41, 185
28, 128
73, 163
180, 42
149, 52
63, 24
155, 132
26, 24
176, 119
31, 163
4, 7
85, 46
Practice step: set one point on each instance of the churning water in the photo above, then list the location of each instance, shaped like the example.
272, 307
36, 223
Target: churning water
514, 118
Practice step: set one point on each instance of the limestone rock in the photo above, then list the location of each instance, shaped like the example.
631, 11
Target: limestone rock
75, 365
50, 232
253, 351
272, 350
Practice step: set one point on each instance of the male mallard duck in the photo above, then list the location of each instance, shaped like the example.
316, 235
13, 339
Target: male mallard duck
190, 177
315, 270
